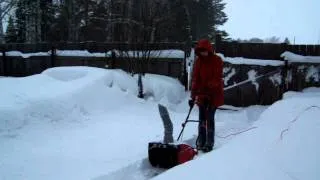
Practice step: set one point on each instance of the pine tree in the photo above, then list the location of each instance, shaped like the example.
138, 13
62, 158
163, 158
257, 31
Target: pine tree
207, 16
219, 16
11, 33
21, 21
287, 41
46, 18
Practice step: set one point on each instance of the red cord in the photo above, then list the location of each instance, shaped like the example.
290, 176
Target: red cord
237, 133
295, 119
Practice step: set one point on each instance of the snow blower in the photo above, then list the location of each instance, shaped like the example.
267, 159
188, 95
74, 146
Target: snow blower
167, 154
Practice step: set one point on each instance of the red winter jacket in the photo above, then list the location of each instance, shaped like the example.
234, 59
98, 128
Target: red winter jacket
207, 77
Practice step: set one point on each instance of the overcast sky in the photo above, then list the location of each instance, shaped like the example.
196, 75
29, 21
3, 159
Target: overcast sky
281, 18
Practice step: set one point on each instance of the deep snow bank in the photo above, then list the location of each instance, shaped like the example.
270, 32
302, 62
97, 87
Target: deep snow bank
284, 145
73, 93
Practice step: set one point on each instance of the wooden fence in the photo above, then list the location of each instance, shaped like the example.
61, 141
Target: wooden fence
265, 51
262, 50
18, 66
264, 91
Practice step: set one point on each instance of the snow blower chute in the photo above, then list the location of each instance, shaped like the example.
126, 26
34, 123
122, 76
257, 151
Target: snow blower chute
167, 154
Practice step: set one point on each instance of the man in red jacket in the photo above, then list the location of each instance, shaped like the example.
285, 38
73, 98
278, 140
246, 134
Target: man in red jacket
207, 91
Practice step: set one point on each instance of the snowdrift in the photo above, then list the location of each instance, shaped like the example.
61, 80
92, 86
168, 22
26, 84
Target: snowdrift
73, 93
283, 145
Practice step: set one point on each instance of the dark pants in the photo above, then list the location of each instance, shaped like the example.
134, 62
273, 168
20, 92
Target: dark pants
206, 128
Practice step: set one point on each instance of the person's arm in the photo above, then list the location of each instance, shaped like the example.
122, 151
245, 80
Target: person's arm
195, 78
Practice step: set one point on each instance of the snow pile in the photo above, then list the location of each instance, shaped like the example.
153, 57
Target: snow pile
58, 92
298, 58
259, 62
283, 145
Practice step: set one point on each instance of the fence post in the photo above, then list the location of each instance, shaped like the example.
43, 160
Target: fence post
53, 54
285, 78
4, 64
113, 58
185, 72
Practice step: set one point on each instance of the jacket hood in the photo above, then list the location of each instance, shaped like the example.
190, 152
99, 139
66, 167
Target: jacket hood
204, 44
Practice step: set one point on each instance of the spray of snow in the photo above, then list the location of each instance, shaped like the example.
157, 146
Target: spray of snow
313, 74
289, 76
231, 72
252, 74
276, 79
301, 68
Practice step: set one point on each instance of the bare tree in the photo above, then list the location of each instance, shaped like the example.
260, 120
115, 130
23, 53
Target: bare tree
5, 8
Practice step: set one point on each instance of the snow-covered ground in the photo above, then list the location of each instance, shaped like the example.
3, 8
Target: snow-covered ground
87, 123
283, 144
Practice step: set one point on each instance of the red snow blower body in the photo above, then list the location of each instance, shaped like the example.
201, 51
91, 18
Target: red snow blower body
167, 154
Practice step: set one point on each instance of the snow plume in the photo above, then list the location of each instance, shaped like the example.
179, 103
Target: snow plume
252, 74
231, 72
313, 74
276, 79
301, 68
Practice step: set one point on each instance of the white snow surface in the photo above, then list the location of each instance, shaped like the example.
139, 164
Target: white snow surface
299, 58
80, 122
283, 145
76, 122
87, 123
247, 61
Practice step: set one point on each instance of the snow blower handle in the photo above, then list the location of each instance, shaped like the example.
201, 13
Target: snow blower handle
185, 122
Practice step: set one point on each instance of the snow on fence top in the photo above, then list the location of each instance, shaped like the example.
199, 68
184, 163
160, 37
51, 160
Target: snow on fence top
25, 55
84, 53
259, 62
298, 58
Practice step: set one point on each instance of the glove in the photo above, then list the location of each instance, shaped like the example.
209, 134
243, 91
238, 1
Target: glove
191, 103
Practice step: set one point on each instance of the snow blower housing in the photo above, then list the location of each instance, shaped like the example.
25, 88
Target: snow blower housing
166, 154
169, 155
